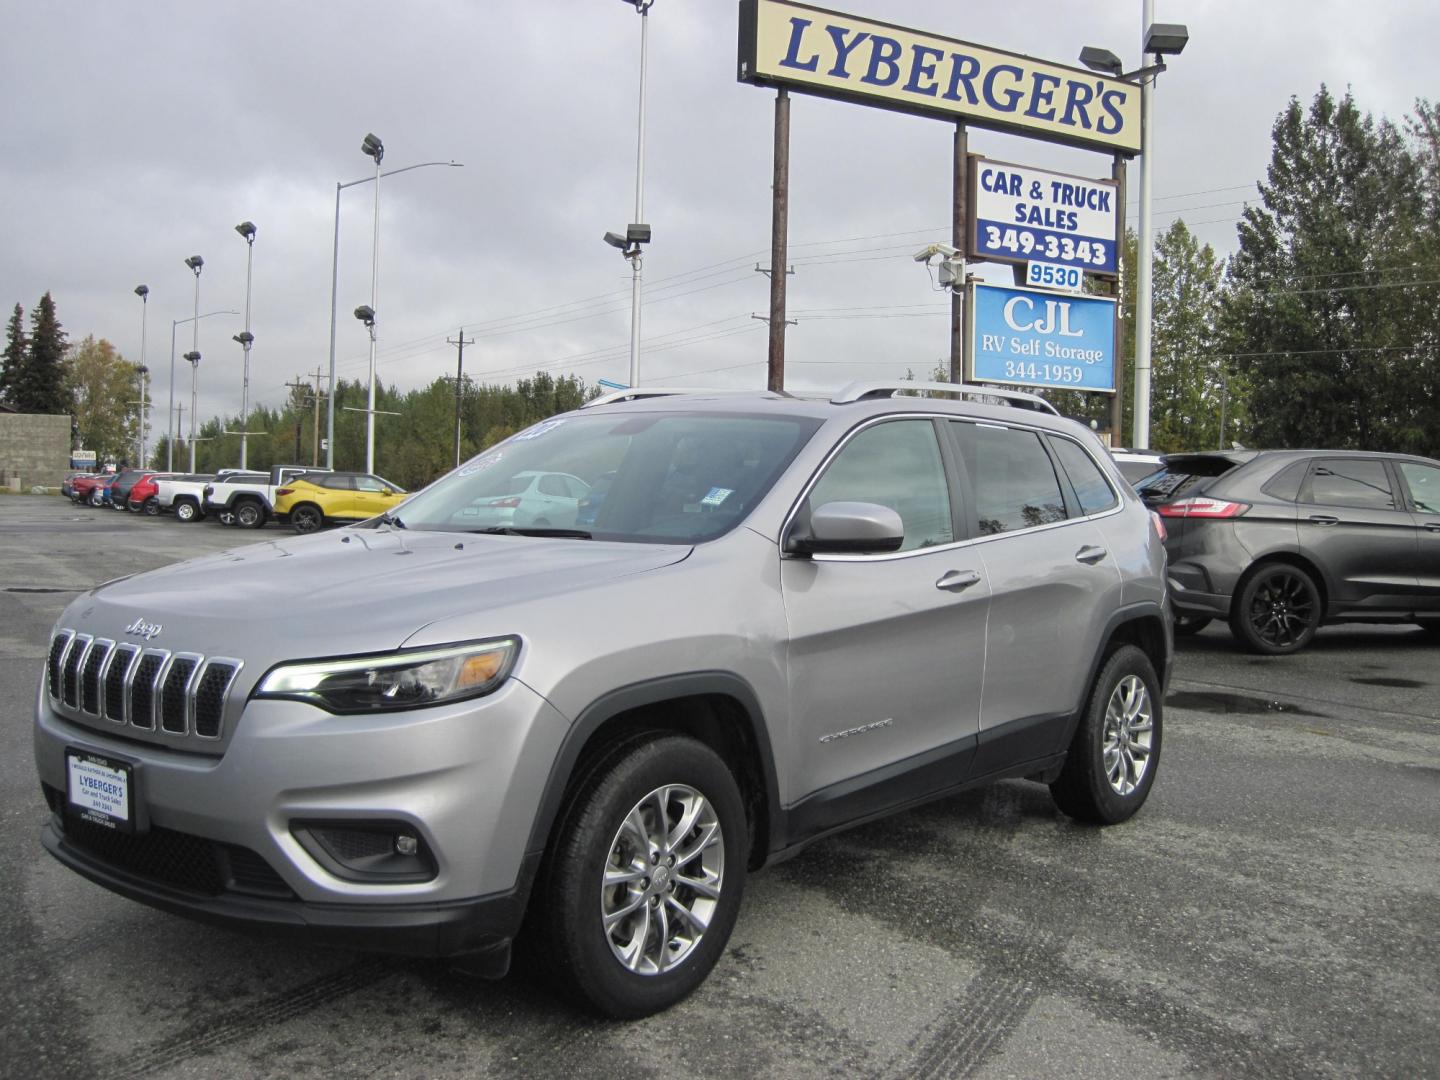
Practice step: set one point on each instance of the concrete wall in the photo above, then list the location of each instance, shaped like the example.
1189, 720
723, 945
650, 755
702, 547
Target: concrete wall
34, 449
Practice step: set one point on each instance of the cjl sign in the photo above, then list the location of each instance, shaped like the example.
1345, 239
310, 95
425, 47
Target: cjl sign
1026, 337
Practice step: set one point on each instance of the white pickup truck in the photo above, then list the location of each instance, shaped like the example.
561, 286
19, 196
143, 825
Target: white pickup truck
183, 496
248, 499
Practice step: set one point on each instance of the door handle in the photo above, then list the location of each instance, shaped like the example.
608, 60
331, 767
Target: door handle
956, 580
1323, 519
1432, 526
1090, 554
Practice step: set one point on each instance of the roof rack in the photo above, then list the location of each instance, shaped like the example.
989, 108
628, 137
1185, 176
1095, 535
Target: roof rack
636, 393
871, 391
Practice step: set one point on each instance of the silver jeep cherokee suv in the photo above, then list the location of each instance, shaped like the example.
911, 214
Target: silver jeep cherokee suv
786, 616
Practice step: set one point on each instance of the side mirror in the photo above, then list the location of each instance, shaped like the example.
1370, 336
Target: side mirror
848, 528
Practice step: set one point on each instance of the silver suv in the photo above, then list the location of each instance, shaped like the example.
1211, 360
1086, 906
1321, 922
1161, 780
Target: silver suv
784, 616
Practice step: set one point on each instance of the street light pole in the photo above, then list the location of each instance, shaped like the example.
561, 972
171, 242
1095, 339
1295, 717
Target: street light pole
1143, 283
376, 149
143, 291
642, 7
195, 263
334, 290
246, 339
170, 424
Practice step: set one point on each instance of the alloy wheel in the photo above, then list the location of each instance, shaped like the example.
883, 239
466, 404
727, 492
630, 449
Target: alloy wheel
662, 879
1128, 735
1282, 609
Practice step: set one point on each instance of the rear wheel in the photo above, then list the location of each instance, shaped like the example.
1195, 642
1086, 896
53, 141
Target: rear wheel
95, 496
185, 511
1113, 756
152, 506
1277, 611
249, 514
644, 879
306, 519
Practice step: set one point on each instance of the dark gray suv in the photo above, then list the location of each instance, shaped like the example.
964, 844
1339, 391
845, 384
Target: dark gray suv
1279, 542
786, 616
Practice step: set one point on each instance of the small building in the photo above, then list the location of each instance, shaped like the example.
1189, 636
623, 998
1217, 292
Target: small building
34, 449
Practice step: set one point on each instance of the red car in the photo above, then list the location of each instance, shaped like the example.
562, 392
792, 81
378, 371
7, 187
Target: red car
142, 495
83, 488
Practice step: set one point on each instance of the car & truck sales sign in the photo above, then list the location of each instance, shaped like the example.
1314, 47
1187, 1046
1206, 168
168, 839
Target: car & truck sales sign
1020, 214
1030, 337
873, 63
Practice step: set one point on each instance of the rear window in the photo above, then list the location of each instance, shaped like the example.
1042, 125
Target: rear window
1179, 477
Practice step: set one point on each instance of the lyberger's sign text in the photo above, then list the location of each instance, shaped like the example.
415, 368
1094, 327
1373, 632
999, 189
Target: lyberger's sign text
836, 55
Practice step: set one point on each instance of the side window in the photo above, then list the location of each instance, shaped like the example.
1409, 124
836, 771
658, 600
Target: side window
1015, 483
368, 483
896, 464
339, 483
1424, 484
576, 487
1091, 487
1286, 483
551, 484
1351, 482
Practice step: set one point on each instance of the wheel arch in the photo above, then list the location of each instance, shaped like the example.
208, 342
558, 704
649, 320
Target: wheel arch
1142, 625
718, 708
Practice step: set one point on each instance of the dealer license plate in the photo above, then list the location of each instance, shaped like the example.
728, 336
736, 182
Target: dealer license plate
100, 790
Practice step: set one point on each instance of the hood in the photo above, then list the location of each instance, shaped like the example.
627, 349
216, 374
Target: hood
352, 591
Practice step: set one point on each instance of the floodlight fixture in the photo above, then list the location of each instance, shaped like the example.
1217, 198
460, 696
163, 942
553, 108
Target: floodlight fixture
615, 240
245, 338
373, 147
195, 262
637, 234
193, 356
1101, 60
247, 230
1166, 39
366, 314
142, 291
641, 6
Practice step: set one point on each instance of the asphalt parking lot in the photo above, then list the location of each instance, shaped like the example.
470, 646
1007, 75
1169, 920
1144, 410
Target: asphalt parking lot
1272, 912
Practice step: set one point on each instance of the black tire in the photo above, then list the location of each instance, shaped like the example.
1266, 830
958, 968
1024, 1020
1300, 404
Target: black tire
1277, 610
306, 518
186, 511
569, 899
95, 496
151, 507
1188, 625
249, 514
1105, 779
1430, 626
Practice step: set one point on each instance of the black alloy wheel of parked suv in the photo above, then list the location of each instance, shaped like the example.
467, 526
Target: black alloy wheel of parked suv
1280, 542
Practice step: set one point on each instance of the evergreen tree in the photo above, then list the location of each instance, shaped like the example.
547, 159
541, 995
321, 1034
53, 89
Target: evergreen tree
13, 359
1327, 320
40, 387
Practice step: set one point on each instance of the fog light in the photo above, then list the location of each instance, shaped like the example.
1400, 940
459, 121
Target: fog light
378, 852
406, 845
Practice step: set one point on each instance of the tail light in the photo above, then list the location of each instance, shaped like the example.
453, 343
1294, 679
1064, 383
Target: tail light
284, 491
511, 502
1198, 506
1158, 523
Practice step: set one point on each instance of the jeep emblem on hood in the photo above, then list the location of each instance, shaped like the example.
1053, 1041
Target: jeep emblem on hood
146, 630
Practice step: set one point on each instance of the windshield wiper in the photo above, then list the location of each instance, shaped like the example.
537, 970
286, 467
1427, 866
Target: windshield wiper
541, 530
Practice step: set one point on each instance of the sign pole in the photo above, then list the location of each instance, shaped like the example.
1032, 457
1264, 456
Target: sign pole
779, 230
1117, 402
959, 233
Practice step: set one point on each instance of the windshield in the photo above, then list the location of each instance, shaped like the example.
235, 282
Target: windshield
677, 478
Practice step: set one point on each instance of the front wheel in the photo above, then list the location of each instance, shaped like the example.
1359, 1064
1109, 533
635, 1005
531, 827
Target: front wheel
152, 506
1277, 611
1111, 765
644, 880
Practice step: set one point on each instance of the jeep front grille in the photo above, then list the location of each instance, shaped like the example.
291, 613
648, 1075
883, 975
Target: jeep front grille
176, 695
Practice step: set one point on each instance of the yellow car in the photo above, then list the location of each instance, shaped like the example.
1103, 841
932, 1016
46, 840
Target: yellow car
316, 499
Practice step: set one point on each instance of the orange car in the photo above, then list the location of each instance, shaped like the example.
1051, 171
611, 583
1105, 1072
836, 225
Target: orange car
316, 499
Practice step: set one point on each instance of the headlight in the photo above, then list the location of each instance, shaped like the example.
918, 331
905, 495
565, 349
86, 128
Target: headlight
408, 679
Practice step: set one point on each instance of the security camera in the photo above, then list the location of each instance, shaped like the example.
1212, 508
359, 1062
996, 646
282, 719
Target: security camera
927, 253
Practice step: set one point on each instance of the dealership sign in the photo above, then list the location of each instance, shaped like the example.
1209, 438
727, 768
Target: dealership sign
1023, 215
873, 63
1027, 337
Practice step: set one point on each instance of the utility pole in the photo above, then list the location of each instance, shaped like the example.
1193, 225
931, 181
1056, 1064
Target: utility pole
179, 428
315, 449
459, 384
300, 383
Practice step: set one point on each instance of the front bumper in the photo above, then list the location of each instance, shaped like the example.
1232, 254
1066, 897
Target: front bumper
466, 779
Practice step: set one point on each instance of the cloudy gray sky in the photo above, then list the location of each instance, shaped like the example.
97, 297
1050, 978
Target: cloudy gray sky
134, 135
